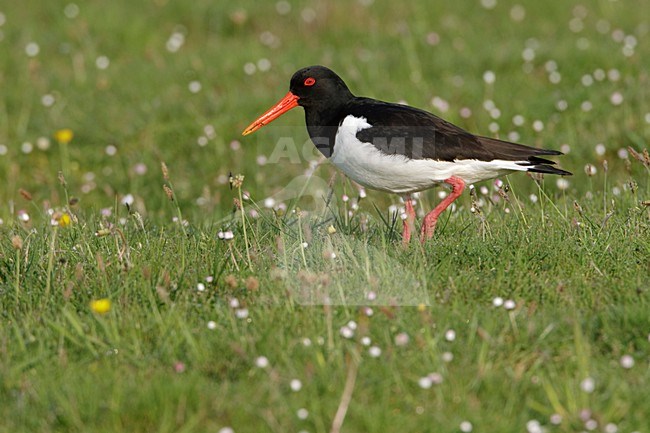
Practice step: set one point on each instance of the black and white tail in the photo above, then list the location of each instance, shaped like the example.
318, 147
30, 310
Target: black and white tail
526, 157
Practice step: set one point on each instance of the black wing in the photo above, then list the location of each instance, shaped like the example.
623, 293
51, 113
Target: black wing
418, 134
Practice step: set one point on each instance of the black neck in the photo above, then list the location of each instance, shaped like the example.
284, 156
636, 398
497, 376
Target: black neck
323, 121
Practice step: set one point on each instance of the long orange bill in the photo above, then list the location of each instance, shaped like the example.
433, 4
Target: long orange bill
285, 104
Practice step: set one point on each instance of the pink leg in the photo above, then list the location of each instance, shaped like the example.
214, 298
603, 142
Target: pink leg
409, 222
430, 220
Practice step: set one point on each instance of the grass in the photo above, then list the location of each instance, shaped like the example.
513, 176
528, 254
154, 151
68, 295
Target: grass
263, 333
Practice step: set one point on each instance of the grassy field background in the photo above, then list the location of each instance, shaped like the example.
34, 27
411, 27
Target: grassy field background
125, 307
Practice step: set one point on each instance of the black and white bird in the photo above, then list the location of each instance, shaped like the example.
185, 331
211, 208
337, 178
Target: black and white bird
398, 148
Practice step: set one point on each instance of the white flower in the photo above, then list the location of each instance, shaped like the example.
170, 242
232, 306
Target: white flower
528, 54
296, 385
71, 10
533, 426
128, 200
425, 382
250, 68
174, 43
489, 77
627, 361
262, 362
102, 62
590, 170
498, 301
263, 64
194, 86
562, 184
32, 49
436, 378
616, 98
346, 332
225, 236
48, 100
588, 385
374, 351
401, 339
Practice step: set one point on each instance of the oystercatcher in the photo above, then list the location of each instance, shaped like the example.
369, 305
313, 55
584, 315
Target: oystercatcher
397, 148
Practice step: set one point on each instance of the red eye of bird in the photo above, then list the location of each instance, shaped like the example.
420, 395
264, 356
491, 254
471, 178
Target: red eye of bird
309, 81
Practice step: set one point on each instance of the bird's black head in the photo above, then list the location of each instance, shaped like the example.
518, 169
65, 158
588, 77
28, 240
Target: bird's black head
316, 88
318, 85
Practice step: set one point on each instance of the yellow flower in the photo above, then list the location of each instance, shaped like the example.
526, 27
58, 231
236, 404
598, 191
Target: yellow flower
101, 306
64, 220
64, 136
331, 230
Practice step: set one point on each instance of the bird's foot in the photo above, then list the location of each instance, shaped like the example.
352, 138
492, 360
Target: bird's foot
428, 227
430, 220
409, 221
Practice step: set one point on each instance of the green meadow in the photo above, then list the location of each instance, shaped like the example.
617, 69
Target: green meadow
161, 273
